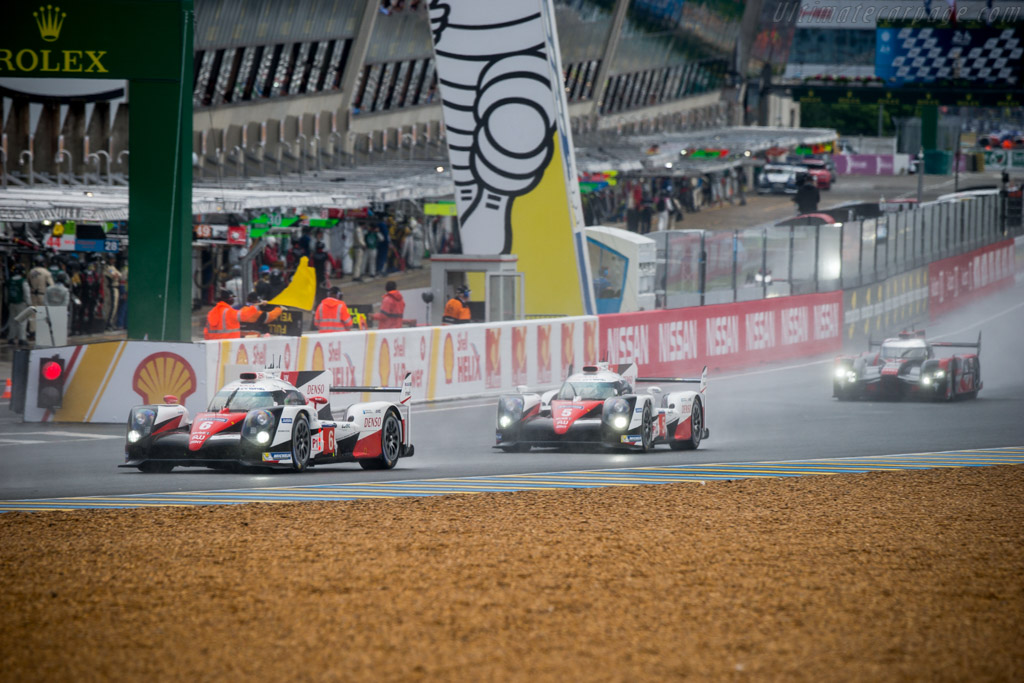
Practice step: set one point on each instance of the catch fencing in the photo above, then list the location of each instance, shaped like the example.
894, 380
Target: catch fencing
698, 267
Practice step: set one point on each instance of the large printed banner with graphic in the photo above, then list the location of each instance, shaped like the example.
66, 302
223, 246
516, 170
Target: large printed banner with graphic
958, 280
104, 380
874, 310
871, 164
510, 144
723, 336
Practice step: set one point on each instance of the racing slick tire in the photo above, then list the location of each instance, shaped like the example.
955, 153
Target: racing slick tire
948, 394
301, 443
646, 430
156, 467
696, 431
390, 444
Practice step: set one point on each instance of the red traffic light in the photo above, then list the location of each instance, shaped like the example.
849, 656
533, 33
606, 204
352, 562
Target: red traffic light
52, 370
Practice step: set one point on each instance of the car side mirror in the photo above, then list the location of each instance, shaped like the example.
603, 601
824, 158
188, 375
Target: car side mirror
317, 400
655, 390
521, 388
171, 398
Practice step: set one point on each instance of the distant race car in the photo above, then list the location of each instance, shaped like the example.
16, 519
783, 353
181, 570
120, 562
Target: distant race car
819, 169
278, 420
907, 366
600, 407
780, 179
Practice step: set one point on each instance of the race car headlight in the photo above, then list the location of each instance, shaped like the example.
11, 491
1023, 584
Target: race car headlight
140, 423
259, 426
926, 380
939, 374
841, 372
617, 412
510, 411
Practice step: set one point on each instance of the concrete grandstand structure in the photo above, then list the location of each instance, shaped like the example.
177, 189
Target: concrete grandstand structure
340, 99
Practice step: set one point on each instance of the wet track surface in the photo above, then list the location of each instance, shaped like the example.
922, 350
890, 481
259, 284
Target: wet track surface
780, 413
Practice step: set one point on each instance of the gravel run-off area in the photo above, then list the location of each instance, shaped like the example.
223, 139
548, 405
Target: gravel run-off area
862, 577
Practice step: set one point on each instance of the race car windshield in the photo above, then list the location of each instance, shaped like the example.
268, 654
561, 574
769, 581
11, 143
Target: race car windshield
587, 390
913, 352
236, 400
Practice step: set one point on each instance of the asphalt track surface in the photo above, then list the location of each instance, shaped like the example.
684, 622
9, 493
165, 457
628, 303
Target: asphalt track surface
779, 413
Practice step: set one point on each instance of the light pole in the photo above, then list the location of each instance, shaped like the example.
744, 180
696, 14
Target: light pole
920, 176
21, 162
60, 156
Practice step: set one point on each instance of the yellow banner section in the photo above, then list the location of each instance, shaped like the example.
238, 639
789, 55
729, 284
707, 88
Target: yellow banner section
90, 378
544, 247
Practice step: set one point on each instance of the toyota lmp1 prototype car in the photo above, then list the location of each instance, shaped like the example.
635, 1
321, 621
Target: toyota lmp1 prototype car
599, 406
277, 420
907, 366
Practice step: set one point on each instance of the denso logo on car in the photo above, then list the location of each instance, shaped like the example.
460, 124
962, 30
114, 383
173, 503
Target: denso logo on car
372, 421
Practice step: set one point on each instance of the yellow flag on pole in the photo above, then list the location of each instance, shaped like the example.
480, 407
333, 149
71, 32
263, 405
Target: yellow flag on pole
301, 291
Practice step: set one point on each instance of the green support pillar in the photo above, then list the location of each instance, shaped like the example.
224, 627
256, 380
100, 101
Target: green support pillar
160, 212
936, 161
929, 126
149, 43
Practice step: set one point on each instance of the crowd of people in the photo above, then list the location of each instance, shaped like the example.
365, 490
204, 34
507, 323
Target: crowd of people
646, 204
92, 288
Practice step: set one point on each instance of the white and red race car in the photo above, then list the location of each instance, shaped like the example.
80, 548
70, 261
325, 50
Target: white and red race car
279, 420
599, 406
909, 366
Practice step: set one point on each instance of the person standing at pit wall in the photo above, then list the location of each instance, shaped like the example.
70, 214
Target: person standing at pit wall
392, 307
332, 314
456, 311
18, 296
222, 320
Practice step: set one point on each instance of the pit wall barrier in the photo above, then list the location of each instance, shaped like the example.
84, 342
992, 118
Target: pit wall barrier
446, 362
106, 379
956, 281
724, 336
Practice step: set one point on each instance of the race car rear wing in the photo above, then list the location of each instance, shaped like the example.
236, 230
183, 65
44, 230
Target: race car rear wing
702, 380
405, 390
969, 345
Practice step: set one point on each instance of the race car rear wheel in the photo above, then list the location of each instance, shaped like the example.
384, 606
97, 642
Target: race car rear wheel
301, 446
646, 429
390, 444
696, 430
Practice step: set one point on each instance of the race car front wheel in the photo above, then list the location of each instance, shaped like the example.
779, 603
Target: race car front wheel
300, 443
647, 429
390, 444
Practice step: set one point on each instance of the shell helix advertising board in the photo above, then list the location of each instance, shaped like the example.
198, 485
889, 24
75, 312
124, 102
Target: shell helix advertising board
445, 362
510, 145
103, 381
